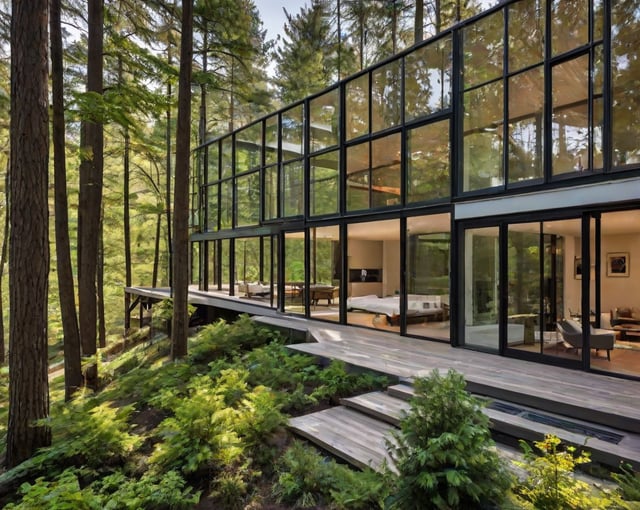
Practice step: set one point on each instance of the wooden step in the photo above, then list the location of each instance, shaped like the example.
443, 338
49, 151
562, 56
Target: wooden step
380, 405
530, 424
348, 434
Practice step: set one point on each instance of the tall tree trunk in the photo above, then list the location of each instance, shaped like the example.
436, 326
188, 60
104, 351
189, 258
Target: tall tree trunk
156, 253
29, 215
66, 289
180, 285
3, 262
419, 22
102, 327
90, 200
168, 199
126, 216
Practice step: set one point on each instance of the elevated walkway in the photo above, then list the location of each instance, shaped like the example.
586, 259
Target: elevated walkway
526, 400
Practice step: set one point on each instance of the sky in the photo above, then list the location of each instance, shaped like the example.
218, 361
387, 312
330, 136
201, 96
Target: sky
273, 16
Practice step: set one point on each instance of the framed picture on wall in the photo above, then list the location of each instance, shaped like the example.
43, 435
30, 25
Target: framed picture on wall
618, 264
577, 268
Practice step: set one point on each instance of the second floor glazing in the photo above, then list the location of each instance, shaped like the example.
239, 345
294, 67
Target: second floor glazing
529, 94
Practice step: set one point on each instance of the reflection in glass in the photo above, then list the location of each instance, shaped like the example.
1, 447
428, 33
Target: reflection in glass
427, 72
249, 148
292, 191
271, 140
357, 107
526, 34
212, 207
570, 116
248, 199
428, 253
625, 23
324, 181
270, 192
385, 96
569, 25
483, 49
357, 184
428, 162
324, 113
483, 125
294, 272
325, 272
226, 204
248, 263
213, 161
226, 165
385, 171
526, 121
292, 132
481, 278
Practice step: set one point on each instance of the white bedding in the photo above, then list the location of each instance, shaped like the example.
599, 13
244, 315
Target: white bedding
417, 305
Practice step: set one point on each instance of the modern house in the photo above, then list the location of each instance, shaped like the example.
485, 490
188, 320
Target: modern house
475, 189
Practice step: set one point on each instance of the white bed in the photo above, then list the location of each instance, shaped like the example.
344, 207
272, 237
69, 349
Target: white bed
418, 305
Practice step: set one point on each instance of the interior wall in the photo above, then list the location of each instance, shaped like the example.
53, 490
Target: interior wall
621, 291
391, 268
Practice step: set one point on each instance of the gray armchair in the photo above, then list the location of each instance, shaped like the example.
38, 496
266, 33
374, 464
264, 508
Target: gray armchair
571, 332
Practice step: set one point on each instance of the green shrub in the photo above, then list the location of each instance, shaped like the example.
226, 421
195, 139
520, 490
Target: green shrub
628, 483
551, 483
359, 490
152, 491
62, 493
444, 452
305, 478
335, 382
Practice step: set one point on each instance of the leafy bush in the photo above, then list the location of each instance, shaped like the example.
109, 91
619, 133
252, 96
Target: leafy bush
305, 477
551, 483
335, 382
444, 452
628, 483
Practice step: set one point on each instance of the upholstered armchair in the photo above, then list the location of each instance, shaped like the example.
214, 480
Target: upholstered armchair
571, 333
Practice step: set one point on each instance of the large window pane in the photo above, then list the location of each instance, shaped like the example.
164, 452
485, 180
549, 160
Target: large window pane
428, 162
386, 106
526, 111
249, 148
213, 162
294, 272
292, 133
483, 167
569, 25
357, 106
428, 253
625, 72
271, 193
271, 140
324, 183
226, 166
481, 279
326, 272
570, 116
385, 171
212, 207
226, 204
427, 72
358, 177
483, 50
526, 33
324, 125
248, 199
292, 190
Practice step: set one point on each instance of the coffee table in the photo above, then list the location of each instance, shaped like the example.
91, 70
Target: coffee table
628, 329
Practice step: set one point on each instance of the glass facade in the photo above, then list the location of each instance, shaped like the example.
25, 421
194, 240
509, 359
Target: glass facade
453, 188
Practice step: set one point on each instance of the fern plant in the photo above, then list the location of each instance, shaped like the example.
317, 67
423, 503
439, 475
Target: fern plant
444, 453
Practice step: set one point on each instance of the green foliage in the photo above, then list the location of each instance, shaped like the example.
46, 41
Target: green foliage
628, 482
200, 434
152, 491
335, 382
444, 452
62, 493
551, 483
360, 490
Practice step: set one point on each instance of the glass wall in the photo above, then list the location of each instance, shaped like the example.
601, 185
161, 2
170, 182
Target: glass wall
325, 275
294, 272
428, 270
481, 277
428, 162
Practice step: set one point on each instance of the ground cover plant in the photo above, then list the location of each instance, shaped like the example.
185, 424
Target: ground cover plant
209, 432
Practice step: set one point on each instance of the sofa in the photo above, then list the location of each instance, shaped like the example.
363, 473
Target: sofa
625, 315
251, 289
